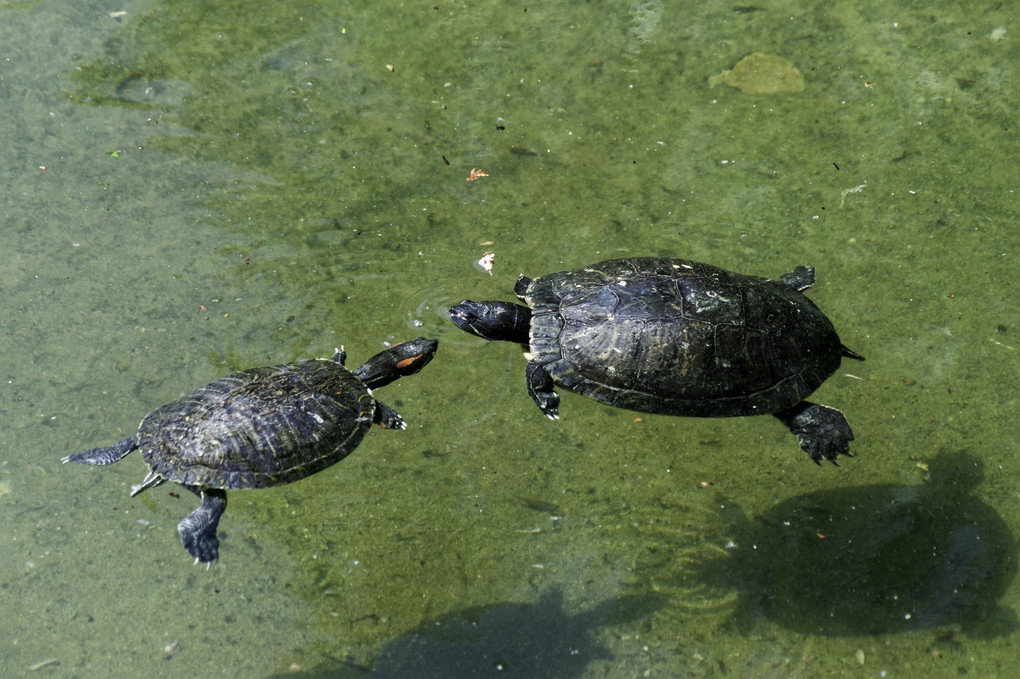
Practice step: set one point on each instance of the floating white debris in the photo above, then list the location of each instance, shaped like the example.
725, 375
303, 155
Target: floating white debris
486, 261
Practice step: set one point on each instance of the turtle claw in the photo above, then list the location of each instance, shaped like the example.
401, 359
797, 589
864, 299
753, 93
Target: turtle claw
548, 402
204, 546
822, 432
387, 417
549, 405
540, 386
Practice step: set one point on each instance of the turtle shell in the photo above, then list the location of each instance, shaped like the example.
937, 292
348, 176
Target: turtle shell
261, 427
679, 337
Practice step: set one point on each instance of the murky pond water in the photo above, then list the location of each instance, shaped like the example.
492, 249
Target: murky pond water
195, 188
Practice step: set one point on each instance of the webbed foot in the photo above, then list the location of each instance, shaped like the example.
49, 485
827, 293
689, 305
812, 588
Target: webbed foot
801, 278
388, 417
540, 386
198, 529
823, 432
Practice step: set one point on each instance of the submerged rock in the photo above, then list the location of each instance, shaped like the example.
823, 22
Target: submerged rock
761, 74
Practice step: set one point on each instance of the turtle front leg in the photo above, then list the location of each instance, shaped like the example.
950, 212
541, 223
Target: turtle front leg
823, 432
387, 417
107, 455
198, 529
540, 386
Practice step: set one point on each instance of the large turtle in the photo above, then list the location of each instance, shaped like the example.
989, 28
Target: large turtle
261, 427
675, 337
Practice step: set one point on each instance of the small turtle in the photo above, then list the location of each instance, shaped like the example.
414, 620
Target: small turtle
259, 428
675, 337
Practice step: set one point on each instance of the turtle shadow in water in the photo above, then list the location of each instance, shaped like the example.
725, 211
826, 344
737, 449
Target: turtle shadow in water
874, 559
505, 639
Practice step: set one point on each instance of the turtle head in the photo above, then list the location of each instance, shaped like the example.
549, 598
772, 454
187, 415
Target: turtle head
493, 320
398, 361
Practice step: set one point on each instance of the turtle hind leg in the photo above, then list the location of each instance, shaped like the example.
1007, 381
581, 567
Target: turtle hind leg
101, 456
800, 279
540, 386
823, 432
198, 529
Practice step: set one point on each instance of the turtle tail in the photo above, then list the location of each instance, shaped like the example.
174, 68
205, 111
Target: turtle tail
107, 455
850, 353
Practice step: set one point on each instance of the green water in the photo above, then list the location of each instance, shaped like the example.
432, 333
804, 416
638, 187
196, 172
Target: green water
192, 188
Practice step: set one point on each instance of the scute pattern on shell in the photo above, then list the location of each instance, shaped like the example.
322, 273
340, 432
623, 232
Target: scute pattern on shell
260, 427
679, 337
